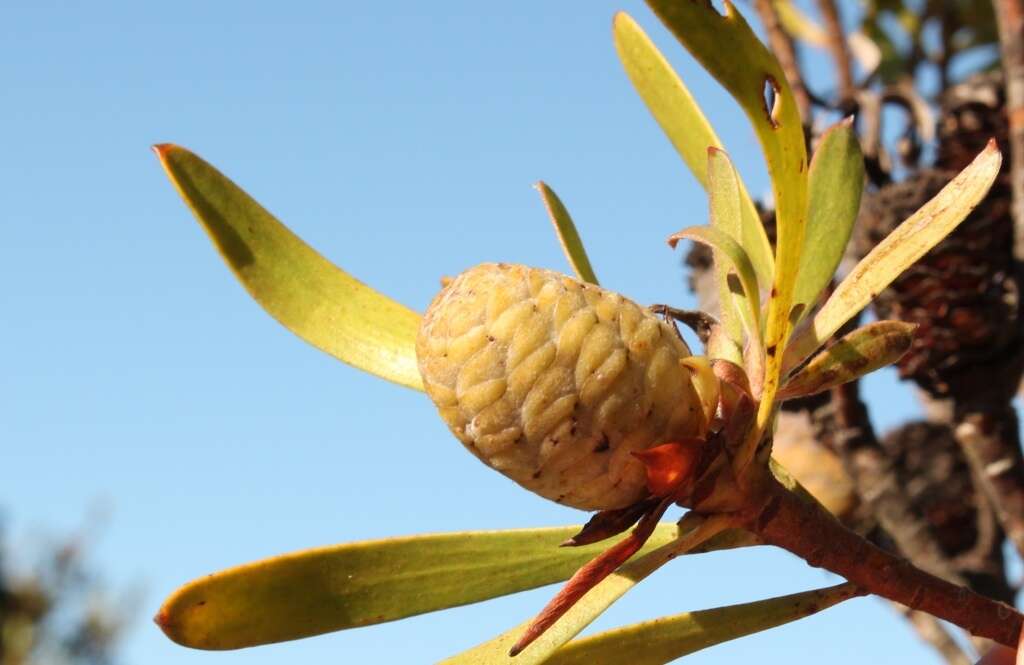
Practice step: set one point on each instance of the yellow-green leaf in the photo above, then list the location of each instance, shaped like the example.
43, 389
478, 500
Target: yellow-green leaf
595, 602
685, 125
858, 353
736, 260
665, 639
909, 242
305, 292
358, 584
835, 182
724, 207
727, 47
568, 236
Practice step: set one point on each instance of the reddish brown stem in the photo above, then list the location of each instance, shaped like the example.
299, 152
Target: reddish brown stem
1010, 18
805, 529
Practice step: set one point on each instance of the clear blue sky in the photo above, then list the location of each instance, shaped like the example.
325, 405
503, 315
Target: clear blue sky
401, 139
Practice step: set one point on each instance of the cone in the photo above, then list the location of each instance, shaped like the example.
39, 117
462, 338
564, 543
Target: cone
962, 294
972, 112
934, 472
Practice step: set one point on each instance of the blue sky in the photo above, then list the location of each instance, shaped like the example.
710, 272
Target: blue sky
401, 139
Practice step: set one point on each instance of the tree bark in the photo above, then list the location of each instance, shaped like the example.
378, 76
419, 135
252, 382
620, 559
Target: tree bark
779, 517
1010, 18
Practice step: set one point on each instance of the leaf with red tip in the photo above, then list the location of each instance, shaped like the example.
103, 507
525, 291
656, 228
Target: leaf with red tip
898, 251
359, 584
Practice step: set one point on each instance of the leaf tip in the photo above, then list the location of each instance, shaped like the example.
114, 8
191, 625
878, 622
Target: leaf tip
992, 151
162, 150
163, 620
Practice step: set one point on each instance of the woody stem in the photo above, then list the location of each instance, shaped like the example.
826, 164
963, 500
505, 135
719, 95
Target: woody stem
780, 517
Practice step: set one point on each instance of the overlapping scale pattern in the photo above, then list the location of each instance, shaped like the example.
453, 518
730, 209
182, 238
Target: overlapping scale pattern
555, 383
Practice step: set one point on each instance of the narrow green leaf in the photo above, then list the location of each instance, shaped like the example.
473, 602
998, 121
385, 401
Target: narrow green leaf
835, 182
305, 292
358, 584
735, 260
665, 639
685, 125
731, 52
568, 236
860, 352
588, 608
724, 206
908, 243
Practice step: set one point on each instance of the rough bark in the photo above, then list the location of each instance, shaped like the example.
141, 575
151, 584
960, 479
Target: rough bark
1010, 18
780, 518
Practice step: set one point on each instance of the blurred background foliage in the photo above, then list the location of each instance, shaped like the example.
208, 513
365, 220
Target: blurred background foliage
55, 607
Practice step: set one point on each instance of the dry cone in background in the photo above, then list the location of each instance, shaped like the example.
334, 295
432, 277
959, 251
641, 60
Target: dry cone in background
972, 113
931, 467
963, 294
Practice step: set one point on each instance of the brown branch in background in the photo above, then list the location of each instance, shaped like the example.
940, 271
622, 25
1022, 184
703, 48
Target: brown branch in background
782, 47
869, 465
1010, 17
949, 27
840, 51
931, 630
988, 435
